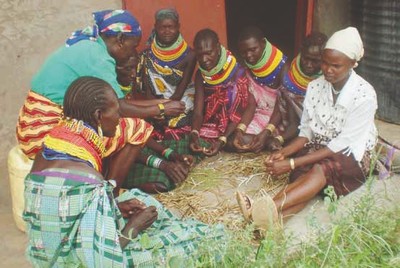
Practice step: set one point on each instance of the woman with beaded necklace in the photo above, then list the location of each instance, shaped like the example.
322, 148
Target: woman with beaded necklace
265, 67
166, 70
222, 99
72, 217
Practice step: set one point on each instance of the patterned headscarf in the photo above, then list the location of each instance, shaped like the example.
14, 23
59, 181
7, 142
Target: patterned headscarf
109, 22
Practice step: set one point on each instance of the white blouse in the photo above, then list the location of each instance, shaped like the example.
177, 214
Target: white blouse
347, 124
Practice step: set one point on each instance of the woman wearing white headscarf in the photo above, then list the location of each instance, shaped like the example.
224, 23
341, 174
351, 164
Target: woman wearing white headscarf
337, 132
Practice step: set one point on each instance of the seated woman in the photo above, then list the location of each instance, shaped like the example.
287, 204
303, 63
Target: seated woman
161, 166
305, 67
72, 216
166, 70
221, 96
266, 65
337, 133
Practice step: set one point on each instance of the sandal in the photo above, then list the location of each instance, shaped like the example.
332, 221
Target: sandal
262, 212
245, 205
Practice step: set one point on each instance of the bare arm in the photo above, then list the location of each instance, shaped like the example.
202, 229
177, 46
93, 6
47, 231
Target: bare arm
128, 108
187, 76
198, 116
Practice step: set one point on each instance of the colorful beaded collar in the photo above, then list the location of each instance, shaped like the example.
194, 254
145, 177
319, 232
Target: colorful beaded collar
169, 56
269, 65
74, 140
295, 80
223, 71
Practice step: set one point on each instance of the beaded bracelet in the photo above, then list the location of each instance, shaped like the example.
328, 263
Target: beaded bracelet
242, 127
153, 161
162, 109
167, 153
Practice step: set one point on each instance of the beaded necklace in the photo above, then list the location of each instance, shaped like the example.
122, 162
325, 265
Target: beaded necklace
295, 80
169, 56
223, 71
74, 140
268, 66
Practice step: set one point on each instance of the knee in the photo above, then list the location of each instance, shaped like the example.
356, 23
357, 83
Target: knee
317, 175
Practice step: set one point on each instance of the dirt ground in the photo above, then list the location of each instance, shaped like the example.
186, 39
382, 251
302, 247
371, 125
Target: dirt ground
14, 241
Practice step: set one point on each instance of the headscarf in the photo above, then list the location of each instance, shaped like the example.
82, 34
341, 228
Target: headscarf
109, 22
348, 41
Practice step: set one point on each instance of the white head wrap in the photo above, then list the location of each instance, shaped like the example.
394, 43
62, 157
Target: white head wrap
348, 41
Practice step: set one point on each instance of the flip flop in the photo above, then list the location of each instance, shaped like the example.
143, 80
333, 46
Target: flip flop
245, 205
264, 213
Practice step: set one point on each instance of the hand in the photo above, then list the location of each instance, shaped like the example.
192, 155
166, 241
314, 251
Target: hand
185, 159
194, 144
141, 221
175, 171
259, 141
278, 167
238, 142
130, 207
174, 108
274, 145
214, 149
275, 156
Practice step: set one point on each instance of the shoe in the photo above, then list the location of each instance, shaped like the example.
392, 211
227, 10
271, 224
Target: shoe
245, 205
264, 213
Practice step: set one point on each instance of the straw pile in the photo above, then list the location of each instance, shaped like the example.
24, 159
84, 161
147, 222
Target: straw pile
209, 192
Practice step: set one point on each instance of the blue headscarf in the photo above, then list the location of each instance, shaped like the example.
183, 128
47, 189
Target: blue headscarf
109, 22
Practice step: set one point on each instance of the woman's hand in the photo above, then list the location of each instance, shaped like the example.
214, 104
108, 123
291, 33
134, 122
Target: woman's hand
176, 171
185, 159
274, 145
174, 108
275, 156
194, 144
238, 141
130, 207
214, 149
259, 141
141, 221
278, 167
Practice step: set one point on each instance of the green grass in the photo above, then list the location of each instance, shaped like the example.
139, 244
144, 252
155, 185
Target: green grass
365, 235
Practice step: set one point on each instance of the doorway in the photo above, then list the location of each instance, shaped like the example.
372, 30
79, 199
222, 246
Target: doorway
277, 19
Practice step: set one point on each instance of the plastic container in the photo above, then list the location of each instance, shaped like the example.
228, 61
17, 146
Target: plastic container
18, 167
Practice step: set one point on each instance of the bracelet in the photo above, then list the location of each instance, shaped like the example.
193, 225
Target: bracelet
271, 128
291, 162
167, 153
162, 109
242, 127
153, 161
195, 131
280, 139
223, 139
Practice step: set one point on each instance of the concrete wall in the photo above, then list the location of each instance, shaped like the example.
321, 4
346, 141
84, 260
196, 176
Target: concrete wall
29, 31
331, 15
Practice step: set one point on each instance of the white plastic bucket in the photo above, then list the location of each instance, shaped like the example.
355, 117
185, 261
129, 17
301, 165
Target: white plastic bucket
18, 167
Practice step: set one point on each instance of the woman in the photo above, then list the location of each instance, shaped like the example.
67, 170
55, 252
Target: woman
167, 68
337, 132
73, 219
221, 97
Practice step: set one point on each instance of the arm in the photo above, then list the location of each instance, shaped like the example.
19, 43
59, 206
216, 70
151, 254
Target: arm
197, 119
187, 76
129, 109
